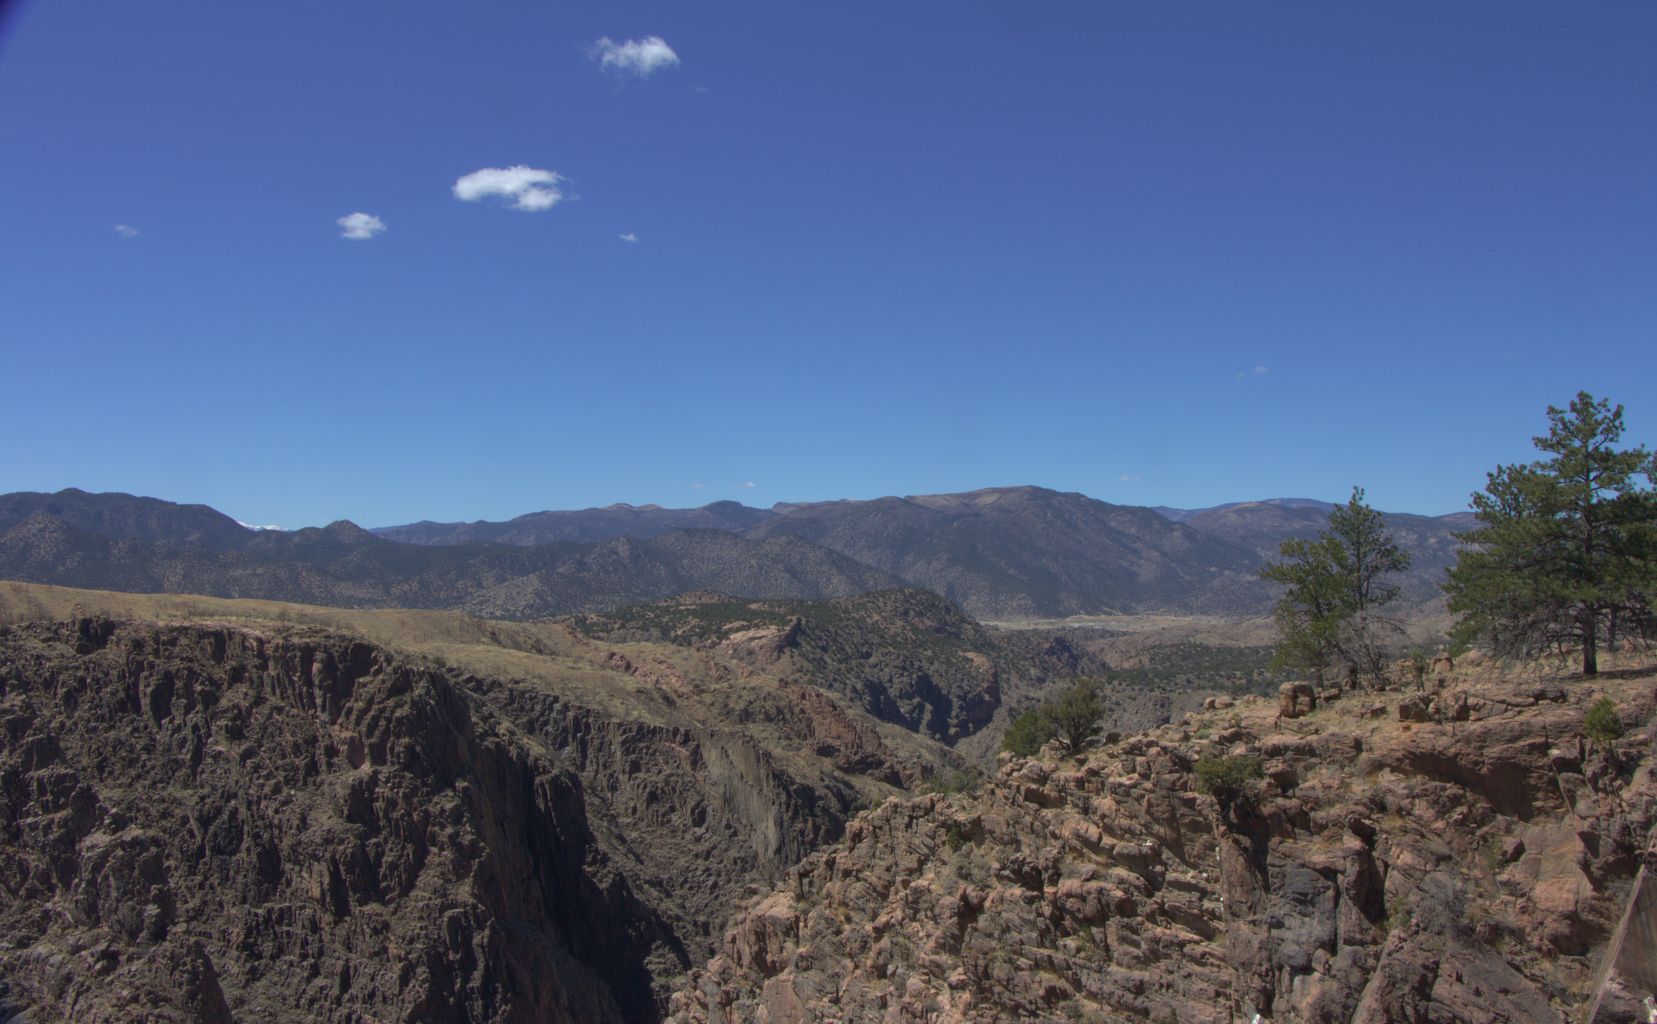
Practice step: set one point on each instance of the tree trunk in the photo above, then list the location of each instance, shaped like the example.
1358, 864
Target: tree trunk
1590, 652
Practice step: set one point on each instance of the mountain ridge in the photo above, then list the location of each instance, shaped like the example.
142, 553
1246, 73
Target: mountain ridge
345, 565
1001, 553
583, 525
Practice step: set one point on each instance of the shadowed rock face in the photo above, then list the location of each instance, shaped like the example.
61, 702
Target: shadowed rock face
207, 823
218, 824
1469, 866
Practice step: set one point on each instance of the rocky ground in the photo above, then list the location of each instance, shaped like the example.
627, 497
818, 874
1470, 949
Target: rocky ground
1444, 851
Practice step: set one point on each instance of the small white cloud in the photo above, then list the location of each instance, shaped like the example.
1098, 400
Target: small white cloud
529, 188
1258, 371
1128, 478
698, 486
360, 226
747, 484
126, 231
641, 57
628, 236
261, 529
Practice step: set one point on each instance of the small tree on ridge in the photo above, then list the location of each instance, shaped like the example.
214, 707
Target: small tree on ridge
1330, 615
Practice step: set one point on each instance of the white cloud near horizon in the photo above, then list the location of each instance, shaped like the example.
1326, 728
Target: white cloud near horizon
747, 485
640, 57
360, 226
628, 236
530, 188
126, 231
1258, 371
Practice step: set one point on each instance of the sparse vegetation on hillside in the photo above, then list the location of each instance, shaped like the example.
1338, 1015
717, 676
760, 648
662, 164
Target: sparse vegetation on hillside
1566, 553
1186, 665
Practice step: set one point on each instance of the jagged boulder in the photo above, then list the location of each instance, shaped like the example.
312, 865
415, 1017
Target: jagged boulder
1296, 699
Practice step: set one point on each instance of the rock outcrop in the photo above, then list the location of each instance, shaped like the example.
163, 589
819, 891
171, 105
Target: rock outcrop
1469, 867
207, 825
212, 823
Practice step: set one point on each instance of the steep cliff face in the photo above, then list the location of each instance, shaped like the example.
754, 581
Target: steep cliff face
1451, 856
212, 824
217, 823
696, 816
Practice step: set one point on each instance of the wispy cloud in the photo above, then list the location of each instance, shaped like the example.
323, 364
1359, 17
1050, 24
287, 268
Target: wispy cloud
1258, 371
126, 231
1128, 478
628, 236
698, 486
640, 57
747, 484
360, 226
529, 188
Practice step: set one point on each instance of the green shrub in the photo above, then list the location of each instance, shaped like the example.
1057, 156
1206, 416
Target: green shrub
1027, 734
951, 782
1225, 778
1602, 724
1076, 715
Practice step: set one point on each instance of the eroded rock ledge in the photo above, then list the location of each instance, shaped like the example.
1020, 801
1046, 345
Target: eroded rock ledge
1455, 856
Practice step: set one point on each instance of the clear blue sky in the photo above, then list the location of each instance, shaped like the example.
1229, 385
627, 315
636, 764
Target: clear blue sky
1158, 253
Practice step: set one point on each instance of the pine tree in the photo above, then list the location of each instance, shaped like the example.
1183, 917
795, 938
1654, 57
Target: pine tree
1364, 556
1330, 614
1566, 553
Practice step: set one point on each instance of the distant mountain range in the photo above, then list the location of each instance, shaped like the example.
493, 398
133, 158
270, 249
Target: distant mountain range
119, 542
585, 526
1185, 515
999, 553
